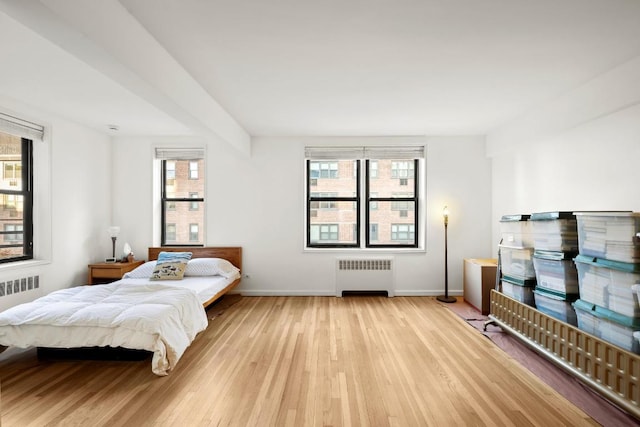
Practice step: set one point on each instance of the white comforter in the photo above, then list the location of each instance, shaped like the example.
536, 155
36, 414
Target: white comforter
154, 317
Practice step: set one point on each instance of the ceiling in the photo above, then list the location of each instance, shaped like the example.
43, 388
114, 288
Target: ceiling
300, 67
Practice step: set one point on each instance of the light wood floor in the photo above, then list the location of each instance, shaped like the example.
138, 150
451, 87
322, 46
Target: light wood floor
298, 361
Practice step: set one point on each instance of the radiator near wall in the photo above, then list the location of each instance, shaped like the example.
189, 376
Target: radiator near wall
365, 275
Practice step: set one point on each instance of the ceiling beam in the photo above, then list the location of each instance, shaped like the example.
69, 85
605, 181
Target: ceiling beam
104, 35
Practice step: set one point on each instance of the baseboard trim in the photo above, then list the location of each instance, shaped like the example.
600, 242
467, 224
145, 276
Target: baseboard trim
282, 293
316, 293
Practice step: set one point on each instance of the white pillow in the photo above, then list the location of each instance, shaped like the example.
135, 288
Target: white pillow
141, 272
211, 267
195, 267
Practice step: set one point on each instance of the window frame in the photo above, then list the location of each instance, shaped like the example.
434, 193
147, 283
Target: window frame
164, 200
27, 205
329, 199
364, 239
415, 199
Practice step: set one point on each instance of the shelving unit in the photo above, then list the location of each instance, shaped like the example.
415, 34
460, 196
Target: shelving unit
608, 369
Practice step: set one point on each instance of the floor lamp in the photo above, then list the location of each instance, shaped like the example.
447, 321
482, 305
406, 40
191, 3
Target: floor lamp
446, 297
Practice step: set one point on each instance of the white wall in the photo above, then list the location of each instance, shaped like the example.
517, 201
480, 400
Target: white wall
582, 157
72, 204
257, 202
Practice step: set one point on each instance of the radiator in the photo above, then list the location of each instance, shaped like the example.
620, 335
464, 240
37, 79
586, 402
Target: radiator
365, 275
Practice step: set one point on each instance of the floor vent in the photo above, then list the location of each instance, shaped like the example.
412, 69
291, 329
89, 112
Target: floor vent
365, 275
23, 284
365, 293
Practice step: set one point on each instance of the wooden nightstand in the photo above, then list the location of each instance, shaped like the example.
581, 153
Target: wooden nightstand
106, 272
478, 278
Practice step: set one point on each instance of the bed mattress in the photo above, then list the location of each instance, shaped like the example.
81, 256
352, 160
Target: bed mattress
157, 317
205, 287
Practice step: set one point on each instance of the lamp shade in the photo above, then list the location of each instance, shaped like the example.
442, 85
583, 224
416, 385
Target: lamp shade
114, 230
445, 215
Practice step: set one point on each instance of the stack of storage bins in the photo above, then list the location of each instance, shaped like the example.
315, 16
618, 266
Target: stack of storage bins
516, 258
608, 268
555, 242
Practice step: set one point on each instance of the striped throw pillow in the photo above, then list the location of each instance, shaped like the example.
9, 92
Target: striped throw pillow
174, 256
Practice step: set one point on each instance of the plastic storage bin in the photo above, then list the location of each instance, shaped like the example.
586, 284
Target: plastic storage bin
519, 290
517, 262
556, 272
608, 284
516, 231
609, 235
556, 305
612, 327
554, 231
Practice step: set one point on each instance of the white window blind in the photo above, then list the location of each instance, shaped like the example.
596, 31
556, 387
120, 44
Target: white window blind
179, 153
374, 152
342, 153
22, 128
395, 152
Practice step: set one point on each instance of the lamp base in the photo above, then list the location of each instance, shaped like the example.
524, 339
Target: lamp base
447, 299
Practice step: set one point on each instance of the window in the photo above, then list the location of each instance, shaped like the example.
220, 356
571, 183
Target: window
324, 204
12, 172
373, 232
193, 170
170, 233
324, 170
373, 205
373, 169
16, 198
194, 206
402, 232
182, 201
402, 170
332, 210
16, 237
193, 233
401, 205
325, 232
380, 204
171, 170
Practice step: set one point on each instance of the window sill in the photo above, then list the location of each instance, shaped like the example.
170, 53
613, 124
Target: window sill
17, 265
366, 251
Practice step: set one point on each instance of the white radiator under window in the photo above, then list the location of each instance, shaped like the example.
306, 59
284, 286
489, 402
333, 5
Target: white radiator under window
365, 275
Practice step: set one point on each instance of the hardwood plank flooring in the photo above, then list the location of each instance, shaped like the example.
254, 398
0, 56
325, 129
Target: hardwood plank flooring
298, 361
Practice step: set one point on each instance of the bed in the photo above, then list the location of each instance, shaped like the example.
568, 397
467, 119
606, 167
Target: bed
158, 316
212, 291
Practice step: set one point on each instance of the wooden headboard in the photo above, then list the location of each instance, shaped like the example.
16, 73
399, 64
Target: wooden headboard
231, 254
